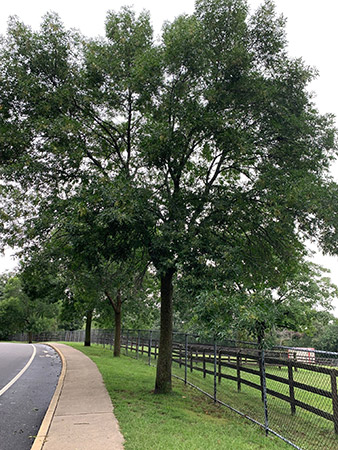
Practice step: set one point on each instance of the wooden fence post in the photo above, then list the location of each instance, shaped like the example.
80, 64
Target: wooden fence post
291, 389
219, 366
334, 399
204, 372
138, 343
295, 358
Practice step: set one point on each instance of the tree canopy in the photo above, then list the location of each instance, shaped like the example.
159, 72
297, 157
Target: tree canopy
202, 147
246, 311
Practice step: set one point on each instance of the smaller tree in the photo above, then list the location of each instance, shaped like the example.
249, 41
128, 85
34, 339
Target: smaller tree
21, 311
123, 285
12, 315
328, 338
84, 298
42, 291
241, 310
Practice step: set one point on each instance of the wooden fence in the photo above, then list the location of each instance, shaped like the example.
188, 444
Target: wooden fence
232, 364
201, 358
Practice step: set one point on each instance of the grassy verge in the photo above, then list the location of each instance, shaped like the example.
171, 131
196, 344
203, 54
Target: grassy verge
307, 430
183, 420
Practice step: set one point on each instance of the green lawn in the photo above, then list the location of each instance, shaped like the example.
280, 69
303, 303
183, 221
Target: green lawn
305, 429
186, 419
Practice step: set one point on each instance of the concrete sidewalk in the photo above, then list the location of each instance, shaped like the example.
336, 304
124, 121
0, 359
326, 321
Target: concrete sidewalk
80, 416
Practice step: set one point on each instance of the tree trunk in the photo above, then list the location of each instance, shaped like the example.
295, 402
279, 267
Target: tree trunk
30, 337
163, 373
260, 327
117, 338
89, 317
117, 306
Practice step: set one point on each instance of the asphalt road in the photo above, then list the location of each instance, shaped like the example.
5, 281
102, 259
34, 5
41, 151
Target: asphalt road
28, 378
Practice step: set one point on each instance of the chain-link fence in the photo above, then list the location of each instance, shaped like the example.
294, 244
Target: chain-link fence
290, 392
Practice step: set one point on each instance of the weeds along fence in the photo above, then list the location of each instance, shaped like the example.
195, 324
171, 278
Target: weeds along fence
289, 392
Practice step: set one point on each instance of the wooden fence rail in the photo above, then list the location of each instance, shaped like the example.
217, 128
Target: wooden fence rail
232, 364
200, 358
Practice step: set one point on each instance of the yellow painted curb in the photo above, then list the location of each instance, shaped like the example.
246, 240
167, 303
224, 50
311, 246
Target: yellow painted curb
47, 420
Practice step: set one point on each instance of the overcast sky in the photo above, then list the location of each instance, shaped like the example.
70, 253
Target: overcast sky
311, 28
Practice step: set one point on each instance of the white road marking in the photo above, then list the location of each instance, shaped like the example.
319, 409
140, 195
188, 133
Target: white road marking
22, 371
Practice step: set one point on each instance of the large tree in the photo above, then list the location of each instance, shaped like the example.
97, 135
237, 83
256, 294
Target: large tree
237, 150
206, 143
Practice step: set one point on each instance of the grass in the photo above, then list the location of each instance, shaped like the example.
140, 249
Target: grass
305, 429
182, 420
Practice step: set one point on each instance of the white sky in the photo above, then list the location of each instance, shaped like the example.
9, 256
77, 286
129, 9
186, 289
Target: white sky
311, 29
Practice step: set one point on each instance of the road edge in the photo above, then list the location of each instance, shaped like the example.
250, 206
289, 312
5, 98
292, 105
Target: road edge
39, 441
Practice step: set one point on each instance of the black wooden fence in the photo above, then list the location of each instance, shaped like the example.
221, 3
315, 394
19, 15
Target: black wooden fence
289, 392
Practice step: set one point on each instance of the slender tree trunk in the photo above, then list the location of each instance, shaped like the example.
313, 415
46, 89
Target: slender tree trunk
89, 317
163, 374
30, 337
117, 306
260, 333
117, 338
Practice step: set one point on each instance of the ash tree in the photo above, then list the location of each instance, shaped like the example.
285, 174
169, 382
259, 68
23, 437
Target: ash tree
77, 106
235, 147
99, 266
207, 143
94, 274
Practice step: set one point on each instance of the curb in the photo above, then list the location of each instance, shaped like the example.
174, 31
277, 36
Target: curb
47, 420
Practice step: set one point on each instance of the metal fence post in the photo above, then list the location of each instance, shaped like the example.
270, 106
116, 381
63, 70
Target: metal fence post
334, 399
186, 359
127, 342
266, 417
291, 388
215, 371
